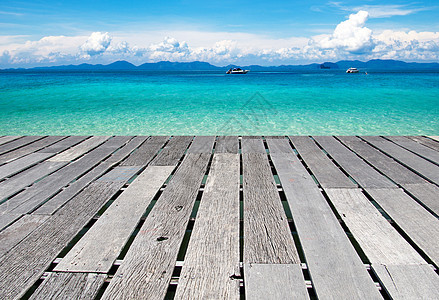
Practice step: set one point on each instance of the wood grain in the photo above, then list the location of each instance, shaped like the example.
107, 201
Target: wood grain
100, 246
212, 257
147, 267
69, 286
324, 243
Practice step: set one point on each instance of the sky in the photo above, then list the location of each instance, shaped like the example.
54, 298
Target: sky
275, 32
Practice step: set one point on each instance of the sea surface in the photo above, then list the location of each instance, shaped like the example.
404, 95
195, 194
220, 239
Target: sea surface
321, 102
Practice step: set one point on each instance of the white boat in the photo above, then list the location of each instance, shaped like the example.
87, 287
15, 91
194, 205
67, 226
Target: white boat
237, 71
352, 70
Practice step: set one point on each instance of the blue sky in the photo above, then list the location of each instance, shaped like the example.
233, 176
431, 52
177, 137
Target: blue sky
265, 32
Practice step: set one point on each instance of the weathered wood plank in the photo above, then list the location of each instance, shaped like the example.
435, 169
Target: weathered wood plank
80, 149
26, 178
267, 236
407, 158
424, 191
202, 144
413, 219
69, 192
173, 151
143, 155
436, 138
34, 196
227, 144
30, 148
20, 268
364, 174
8, 138
12, 235
7, 218
212, 257
385, 164
409, 281
328, 174
69, 286
325, 244
64, 144
274, 281
426, 142
99, 247
252, 145
421, 150
147, 267
22, 163
381, 243
427, 193
12, 145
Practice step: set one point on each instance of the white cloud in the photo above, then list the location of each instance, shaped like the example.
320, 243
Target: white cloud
96, 44
350, 35
380, 11
351, 39
386, 11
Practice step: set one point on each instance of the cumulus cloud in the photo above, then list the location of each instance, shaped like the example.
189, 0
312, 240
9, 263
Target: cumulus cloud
351, 39
96, 44
351, 35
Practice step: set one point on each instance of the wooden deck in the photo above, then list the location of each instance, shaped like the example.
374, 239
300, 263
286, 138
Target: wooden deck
219, 217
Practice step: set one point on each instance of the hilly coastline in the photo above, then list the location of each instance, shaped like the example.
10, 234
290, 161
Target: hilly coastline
376, 64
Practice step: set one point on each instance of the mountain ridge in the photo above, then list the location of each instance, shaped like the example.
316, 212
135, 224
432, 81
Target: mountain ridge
122, 65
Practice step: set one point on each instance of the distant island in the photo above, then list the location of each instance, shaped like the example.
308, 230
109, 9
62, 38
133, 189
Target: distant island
377, 64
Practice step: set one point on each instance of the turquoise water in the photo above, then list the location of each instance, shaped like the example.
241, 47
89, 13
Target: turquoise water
323, 102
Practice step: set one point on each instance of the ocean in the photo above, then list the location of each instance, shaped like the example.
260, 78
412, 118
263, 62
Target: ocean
321, 102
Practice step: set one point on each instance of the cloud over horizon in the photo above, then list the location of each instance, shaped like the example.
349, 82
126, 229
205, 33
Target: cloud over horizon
351, 39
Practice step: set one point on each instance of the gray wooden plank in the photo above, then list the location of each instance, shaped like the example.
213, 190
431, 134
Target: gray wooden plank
79, 149
100, 246
262, 281
54, 203
436, 138
69, 286
425, 141
7, 219
173, 151
8, 138
126, 150
409, 281
227, 144
147, 267
22, 163
26, 178
407, 158
146, 151
412, 218
21, 268
267, 236
328, 174
12, 235
364, 174
39, 192
252, 145
426, 193
336, 270
421, 150
202, 144
64, 144
381, 243
12, 145
215, 235
385, 164
30, 148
